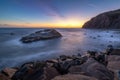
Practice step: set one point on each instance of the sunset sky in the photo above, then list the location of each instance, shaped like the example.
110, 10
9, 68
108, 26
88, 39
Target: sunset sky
52, 13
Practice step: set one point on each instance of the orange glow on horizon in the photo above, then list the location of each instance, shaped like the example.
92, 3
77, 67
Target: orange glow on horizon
71, 23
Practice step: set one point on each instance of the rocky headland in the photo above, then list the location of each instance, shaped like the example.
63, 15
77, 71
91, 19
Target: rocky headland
43, 34
107, 20
91, 66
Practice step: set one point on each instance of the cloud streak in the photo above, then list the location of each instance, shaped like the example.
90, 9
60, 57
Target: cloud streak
46, 6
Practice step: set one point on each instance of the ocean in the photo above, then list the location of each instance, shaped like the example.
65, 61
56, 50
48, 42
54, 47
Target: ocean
13, 52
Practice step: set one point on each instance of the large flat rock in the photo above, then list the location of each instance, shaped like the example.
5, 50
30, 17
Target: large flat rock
43, 34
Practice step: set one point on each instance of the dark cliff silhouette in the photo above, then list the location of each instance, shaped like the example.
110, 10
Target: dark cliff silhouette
107, 20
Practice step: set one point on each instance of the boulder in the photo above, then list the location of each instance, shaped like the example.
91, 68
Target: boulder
107, 20
9, 72
62, 67
114, 65
50, 72
113, 58
76, 70
63, 57
115, 52
73, 77
3, 77
43, 34
30, 71
52, 61
94, 69
46, 73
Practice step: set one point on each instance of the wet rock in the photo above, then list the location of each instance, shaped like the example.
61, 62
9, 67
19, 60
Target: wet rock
113, 58
75, 67
36, 74
95, 69
63, 57
39, 64
73, 77
90, 36
111, 36
62, 67
3, 77
41, 35
22, 73
52, 61
46, 73
9, 72
79, 55
76, 70
50, 73
109, 49
28, 72
94, 38
49, 64
12, 33
28, 64
98, 36
110, 41
114, 65
115, 52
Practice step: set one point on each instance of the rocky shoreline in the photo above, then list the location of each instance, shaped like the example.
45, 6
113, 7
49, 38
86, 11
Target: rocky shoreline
92, 66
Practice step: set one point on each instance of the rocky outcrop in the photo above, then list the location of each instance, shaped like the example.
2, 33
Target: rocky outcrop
107, 20
9, 72
43, 34
94, 69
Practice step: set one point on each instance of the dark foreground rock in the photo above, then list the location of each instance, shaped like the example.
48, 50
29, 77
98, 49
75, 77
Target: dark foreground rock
9, 72
75, 67
114, 65
116, 52
41, 35
107, 20
74, 77
94, 69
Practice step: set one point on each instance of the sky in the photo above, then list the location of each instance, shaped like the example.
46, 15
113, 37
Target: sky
52, 13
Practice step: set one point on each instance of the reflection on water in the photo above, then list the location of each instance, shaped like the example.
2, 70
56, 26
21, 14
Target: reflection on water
13, 52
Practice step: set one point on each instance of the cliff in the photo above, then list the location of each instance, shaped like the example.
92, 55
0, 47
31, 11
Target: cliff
107, 20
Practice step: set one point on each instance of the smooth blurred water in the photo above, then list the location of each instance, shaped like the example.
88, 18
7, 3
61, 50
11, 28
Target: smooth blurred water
14, 52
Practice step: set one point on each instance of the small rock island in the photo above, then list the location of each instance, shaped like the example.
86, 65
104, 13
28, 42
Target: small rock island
43, 34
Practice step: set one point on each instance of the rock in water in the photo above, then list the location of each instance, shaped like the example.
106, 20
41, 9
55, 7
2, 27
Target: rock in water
107, 20
41, 35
